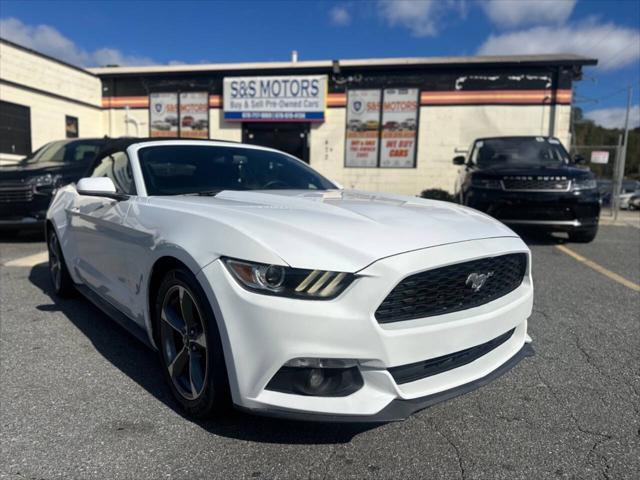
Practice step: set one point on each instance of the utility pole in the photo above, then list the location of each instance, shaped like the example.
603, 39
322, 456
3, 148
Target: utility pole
623, 155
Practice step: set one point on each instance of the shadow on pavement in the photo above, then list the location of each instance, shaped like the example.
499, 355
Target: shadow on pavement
141, 365
30, 236
537, 237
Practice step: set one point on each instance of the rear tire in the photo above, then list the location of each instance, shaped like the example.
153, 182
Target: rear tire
189, 346
58, 272
583, 236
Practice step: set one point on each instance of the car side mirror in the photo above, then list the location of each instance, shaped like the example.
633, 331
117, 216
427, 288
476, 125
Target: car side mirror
579, 160
459, 160
99, 187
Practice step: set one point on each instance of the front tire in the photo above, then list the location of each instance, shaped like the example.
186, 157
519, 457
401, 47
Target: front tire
583, 236
189, 345
58, 272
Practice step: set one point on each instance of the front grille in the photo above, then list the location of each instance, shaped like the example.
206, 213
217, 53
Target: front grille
419, 370
18, 193
535, 183
451, 288
526, 212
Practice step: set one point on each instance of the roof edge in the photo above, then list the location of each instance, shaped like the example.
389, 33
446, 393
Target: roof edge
46, 57
554, 59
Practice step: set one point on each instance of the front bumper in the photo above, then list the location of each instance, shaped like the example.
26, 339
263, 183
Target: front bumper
24, 215
564, 211
261, 333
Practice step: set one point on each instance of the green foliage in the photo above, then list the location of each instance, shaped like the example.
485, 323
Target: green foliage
588, 133
437, 194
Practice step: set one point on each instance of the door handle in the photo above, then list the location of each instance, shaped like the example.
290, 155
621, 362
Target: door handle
74, 209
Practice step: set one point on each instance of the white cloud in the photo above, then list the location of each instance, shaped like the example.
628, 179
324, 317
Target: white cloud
48, 40
421, 17
339, 16
614, 117
512, 13
614, 46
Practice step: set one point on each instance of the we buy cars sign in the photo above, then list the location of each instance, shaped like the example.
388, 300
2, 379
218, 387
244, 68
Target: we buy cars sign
275, 99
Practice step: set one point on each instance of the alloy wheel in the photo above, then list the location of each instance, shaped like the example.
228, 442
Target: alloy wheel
55, 261
184, 343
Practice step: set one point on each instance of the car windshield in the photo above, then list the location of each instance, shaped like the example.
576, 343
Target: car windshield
526, 151
65, 151
206, 169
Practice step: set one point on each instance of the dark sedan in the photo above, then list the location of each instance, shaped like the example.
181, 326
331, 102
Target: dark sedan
26, 189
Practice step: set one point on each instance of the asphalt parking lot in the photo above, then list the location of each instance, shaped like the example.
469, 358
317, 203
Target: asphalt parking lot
80, 398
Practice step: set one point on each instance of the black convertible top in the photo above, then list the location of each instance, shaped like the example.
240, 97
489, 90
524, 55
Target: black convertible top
120, 144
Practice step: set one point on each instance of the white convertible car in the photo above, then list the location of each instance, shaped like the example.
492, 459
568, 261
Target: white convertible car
264, 285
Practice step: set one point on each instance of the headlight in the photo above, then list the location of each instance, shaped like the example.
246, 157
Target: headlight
287, 281
584, 184
486, 183
46, 180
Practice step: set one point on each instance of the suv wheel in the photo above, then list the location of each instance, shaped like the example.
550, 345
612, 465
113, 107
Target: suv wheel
189, 345
583, 236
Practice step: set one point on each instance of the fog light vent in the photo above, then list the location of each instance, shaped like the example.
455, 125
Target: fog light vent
317, 377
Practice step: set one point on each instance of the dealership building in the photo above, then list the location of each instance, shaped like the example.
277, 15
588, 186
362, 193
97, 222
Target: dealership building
376, 124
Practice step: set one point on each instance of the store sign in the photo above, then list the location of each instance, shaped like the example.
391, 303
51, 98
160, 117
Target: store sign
399, 126
363, 127
194, 115
163, 113
275, 99
599, 156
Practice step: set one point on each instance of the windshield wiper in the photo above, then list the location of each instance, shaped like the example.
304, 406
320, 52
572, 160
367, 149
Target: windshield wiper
206, 193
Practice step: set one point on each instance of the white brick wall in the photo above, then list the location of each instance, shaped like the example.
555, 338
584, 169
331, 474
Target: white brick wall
48, 112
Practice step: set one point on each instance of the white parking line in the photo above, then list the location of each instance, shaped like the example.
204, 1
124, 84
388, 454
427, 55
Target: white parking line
29, 260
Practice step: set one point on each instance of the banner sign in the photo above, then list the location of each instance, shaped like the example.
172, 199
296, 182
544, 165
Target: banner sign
194, 115
275, 99
163, 108
363, 126
399, 125
599, 156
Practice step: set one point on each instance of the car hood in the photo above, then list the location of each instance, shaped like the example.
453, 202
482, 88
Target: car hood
22, 171
338, 230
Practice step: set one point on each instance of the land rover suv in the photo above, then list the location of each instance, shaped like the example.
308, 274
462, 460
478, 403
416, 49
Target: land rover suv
530, 182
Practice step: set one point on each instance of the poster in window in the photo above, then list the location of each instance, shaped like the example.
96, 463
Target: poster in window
71, 126
399, 127
363, 125
163, 120
194, 115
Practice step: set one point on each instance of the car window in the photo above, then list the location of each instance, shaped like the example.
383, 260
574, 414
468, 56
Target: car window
118, 168
492, 152
182, 169
64, 151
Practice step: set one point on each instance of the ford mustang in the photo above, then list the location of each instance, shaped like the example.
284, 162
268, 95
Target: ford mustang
266, 286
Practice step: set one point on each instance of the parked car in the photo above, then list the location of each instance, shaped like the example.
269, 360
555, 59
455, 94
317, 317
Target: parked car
26, 189
408, 124
634, 202
355, 125
530, 182
391, 125
371, 125
187, 121
200, 125
261, 283
160, 125
628, 201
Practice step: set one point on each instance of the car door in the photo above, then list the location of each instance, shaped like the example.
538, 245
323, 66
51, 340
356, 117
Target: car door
103, 256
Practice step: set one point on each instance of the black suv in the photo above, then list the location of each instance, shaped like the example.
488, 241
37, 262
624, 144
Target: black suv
26, 189
530, 182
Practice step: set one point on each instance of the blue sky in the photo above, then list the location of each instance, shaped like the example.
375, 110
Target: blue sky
129, 32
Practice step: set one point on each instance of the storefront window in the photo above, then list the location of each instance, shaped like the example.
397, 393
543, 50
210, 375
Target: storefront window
71, 126
185, 115
381, 128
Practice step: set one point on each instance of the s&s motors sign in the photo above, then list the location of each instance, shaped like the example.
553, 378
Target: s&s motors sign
275, 99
